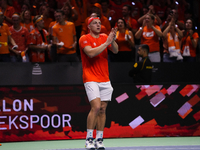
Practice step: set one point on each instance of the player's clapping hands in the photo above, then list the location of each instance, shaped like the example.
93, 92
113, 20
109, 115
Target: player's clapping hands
111, 36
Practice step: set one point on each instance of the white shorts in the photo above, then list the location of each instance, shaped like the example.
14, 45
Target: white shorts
102, 90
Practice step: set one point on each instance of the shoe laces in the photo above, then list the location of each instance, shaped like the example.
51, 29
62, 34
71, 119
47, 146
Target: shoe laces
90, 140
100, 140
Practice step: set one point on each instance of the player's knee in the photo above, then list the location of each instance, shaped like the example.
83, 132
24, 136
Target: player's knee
102, 110
96, 109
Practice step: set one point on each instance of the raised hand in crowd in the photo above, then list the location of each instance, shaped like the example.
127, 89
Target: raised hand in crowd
151, 10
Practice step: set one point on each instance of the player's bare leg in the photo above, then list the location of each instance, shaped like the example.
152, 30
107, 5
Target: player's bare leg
101, 119
91, 122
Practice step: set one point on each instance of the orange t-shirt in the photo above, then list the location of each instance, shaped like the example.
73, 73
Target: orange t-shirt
4, 32
36, 39
96, 68
150, 38
8, 13
186, 41
122, 42
65, 33
20, 37
29, 26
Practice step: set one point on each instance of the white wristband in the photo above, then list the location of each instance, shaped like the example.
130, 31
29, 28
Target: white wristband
141, 28
15, 47
60, 44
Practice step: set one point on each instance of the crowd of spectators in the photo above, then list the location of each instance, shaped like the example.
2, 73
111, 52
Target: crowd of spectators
49, 30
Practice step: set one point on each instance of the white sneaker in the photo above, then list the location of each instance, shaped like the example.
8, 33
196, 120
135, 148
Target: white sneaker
89, 144
99, 144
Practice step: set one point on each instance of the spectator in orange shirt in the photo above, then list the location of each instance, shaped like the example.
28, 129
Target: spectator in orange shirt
26, 6
172, 36
27, 20
131, 23
44, 11
173, 13
64, 38
104, 21
149, 34
149, 10
94, 55
125, 41
20, 35
189, 41
38, 42
5, 38
7, 11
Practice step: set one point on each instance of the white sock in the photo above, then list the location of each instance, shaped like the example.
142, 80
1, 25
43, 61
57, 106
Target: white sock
99, 134
89, 133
